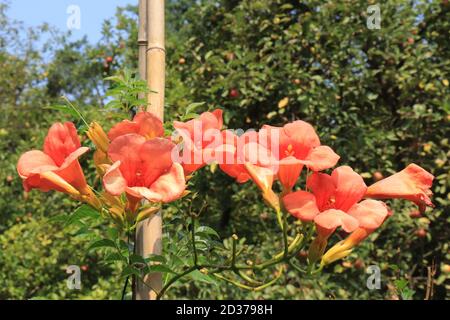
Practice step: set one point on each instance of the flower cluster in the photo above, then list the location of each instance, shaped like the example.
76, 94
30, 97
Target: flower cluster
136, 161
340, 200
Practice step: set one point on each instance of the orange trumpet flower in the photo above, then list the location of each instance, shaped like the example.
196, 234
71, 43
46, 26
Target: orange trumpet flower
296, 145
145, 124
143, 169
332, 198
199, 137
57, 167
340, 190
370, 215
412, 183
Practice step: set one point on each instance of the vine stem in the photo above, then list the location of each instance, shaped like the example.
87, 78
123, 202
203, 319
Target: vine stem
175, 279
289, 252
194, 247
124, 290
284, 229
76, 110
258, 288
295, 247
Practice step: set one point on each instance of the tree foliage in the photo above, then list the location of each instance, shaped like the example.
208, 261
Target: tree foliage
382, 97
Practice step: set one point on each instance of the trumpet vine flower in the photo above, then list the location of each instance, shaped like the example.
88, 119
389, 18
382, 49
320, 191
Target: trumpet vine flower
412, 183
200, 136
57, 167
143, 169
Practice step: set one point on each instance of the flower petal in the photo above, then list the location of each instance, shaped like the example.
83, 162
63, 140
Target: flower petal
113, 181
302, 136
145, 124
156, 159
228, 163
322, 187
61, 141
150, 126
412, 183
288, 172
218, 113
170, 186
71, 170
38, 171
34, 162
49, 180
126, 149
321, 158
350, 187
196, 128
263, 177
123, 128
200, 138
330, 219
142, 192
302, 205
369, 213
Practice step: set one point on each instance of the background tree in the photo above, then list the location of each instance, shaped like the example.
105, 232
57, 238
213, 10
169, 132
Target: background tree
381, 97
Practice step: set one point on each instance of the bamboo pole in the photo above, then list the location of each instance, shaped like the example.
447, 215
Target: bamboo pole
149, 232
142, 39
156, 56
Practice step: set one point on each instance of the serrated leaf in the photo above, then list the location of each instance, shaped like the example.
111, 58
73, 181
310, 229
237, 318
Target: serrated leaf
135, 258
205, 230
82, 212
115, 257
113, 78
104, 243
129, 270
189, 116
193, 107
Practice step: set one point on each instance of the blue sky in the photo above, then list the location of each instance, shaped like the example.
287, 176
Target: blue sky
92, 14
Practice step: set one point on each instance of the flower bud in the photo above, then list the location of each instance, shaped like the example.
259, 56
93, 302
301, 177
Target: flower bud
98, 137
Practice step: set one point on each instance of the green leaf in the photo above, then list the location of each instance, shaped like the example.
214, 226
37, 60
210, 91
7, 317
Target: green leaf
135, 258
201, 277
155, 258
176, 261
189, 116
129, 270
64, 109
204, 230
193, 107
159, 268
104, 243
82, 212
407, 294
113, 233
401, 283
208, 55
114, 79
115, 256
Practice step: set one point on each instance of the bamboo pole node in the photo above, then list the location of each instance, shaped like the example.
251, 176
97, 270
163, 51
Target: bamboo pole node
156, 48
